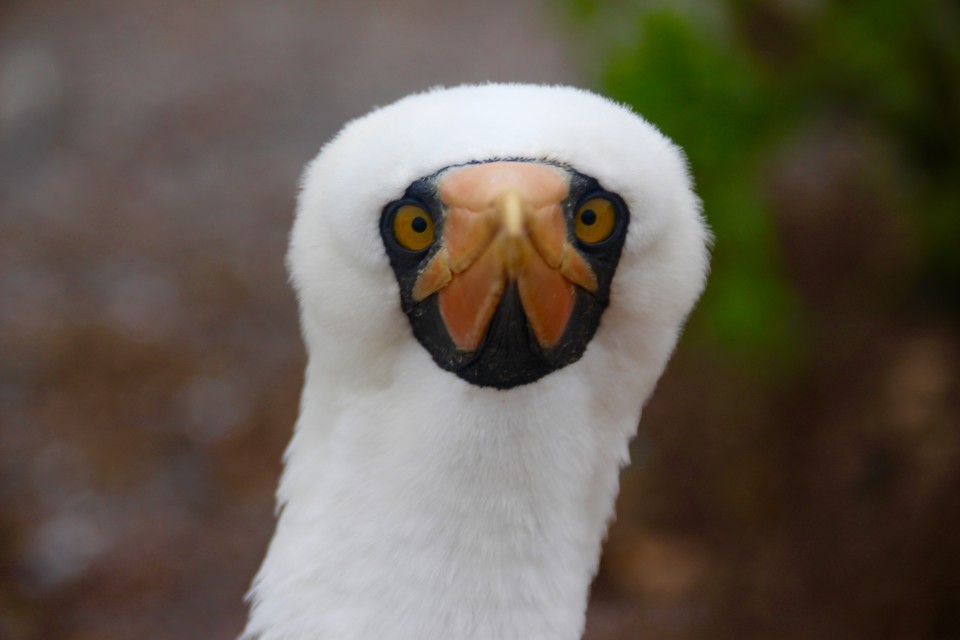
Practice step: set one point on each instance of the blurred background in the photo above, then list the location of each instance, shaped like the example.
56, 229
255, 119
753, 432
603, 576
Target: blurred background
797, 472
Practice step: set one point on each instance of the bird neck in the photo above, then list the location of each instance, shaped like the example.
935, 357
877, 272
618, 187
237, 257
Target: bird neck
470, 514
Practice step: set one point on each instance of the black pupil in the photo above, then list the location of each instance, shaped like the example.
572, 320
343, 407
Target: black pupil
588, 217
419, 224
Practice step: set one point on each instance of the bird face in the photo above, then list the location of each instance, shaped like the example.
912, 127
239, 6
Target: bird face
504, 267
491, 220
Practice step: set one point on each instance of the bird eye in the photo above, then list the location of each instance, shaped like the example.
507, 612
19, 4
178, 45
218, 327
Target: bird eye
595, 220
413, 227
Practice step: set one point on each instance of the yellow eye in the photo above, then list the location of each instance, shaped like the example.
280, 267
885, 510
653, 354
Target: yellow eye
413, 227
595, 221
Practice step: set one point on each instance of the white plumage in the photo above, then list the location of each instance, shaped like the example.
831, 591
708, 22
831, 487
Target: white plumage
415, 505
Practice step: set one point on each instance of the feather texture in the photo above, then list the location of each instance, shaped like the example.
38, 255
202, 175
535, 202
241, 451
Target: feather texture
414, 505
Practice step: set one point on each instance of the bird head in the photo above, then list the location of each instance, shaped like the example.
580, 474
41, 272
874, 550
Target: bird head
510, 224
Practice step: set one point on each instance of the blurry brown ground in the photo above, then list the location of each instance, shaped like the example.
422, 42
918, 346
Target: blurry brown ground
151, 361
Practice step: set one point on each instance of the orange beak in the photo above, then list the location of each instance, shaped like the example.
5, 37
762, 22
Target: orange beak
504, 221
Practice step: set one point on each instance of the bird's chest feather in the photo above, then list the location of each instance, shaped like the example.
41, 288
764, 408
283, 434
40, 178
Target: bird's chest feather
463, 521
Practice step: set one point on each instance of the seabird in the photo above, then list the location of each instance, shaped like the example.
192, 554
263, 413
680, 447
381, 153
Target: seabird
491, 280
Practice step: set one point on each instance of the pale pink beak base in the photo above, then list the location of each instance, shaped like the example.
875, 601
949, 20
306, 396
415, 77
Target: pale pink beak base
504, 220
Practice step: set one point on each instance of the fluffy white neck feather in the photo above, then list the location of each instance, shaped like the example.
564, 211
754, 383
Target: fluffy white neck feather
469, 513
414, 505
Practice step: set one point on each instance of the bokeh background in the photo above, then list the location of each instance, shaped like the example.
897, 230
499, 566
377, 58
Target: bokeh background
797, 473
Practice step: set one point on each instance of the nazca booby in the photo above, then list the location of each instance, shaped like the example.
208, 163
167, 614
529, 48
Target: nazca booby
491, 280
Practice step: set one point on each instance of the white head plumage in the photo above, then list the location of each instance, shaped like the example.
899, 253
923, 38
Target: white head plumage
422, 501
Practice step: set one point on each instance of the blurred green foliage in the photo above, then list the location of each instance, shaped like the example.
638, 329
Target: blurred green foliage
734, 81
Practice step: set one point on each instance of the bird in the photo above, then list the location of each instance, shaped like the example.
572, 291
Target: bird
491, 279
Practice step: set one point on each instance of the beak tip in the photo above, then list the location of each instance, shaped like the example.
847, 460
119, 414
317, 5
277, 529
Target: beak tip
510, 206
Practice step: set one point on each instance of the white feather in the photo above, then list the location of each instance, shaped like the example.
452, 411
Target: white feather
414, 505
